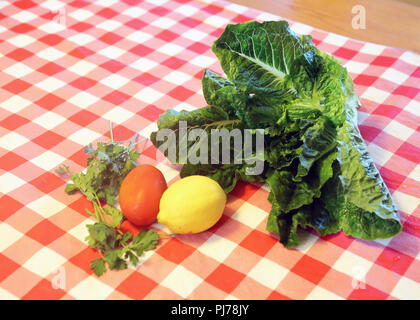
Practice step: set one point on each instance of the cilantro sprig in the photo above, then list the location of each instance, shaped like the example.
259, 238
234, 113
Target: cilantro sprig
107, 166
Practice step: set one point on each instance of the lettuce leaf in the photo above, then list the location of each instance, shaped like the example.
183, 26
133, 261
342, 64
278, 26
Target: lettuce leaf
315, 161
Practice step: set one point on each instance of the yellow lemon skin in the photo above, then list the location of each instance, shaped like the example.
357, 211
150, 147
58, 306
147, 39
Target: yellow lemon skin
191, 205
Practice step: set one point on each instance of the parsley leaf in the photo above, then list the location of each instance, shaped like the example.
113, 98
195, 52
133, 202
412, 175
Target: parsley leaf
107, 166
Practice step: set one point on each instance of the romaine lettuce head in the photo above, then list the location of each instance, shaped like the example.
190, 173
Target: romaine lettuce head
315, 161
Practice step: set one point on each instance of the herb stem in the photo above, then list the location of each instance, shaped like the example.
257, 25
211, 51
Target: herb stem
112, 134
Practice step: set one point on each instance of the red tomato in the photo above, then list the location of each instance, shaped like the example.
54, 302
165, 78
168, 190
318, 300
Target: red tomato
140, 194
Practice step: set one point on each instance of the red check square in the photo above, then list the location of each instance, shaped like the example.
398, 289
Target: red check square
19, 54
84, 117
146, 79
48, 139
277, 296
113, 66
45, 232
8, 266
24, 4
84, 258
181, 93
23, 28
47, 182
17, 86
50, 68
10, 161
131, 288
49, 101
409, 151
367, 292
225, 278
136, 24
384, 61
8, 206
83, 83
150, 112
44, 290
258, 242
51, 39
175, 251
13, 122
394, 260
310, 269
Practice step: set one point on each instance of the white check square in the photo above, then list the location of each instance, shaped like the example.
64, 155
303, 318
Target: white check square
352, 265
9, 235
24, 16
111, 52
405, 202
46, 206
143, 64
406, 289
319, 293
249, 215
376, 95
216, 21
395, 76
81, 39
118, 115
114, 81
356, 67
414, 107
82, 67
84, 136
10, 182
15, 104
194, 35
145, 132
91, 289
398, 130
52, 5
177, 77
12, 140
44, 262
202, 61
182, 281
80, 14
372, 48
50, 84
170, 49
48, 160
148, 95
6, 295
335, 39
21, 40
268, 273
134, 12
379, 155
163, 23
18, 70
50, 54
49, 120
300, 28
212, 247
411, 58
186, 10
109, 25
80, 231
83, 99
139, 36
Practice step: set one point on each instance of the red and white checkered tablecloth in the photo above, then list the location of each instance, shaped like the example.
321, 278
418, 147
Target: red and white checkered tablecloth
68, 67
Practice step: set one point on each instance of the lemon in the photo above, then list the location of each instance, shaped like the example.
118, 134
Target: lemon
191, 205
